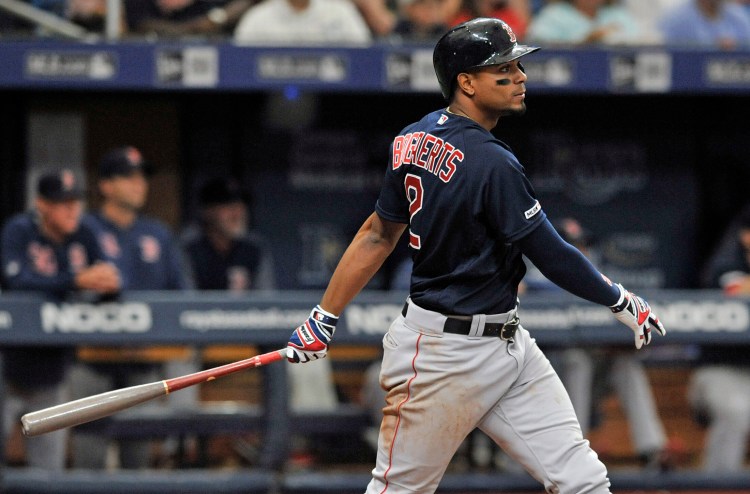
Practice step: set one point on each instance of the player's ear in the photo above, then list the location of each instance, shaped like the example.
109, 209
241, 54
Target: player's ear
465, 83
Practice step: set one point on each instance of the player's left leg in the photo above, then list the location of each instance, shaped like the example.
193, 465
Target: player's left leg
535, 424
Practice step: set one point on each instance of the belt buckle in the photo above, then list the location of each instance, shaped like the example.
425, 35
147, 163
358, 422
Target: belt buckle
508, 331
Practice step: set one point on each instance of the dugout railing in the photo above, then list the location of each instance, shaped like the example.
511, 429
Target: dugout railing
264, 320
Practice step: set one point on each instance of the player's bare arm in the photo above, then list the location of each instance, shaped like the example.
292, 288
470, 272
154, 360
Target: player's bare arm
370, 247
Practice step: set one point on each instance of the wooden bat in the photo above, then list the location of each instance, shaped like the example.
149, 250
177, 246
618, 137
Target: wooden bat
98, 406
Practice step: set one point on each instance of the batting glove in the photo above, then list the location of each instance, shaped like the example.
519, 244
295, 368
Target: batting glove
310, 340
635, 313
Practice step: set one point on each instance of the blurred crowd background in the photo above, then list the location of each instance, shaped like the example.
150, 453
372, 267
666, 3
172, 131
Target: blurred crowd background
262, 190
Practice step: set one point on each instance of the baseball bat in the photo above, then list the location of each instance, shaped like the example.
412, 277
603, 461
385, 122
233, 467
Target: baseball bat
101, 405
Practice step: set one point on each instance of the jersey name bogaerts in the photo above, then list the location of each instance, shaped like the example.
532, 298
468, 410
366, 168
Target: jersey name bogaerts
466, 200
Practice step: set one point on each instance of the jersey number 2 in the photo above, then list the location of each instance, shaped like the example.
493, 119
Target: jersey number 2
414, 193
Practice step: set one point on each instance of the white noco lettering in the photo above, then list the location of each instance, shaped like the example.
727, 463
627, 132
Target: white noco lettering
89, 318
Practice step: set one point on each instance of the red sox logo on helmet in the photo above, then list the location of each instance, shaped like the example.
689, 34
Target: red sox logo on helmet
510, 32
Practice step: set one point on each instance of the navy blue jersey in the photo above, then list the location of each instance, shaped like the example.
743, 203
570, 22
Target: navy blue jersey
467, 202
32, 262
145, 253
239, 269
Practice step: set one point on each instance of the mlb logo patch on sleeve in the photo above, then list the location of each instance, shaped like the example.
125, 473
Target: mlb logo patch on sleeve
534, 209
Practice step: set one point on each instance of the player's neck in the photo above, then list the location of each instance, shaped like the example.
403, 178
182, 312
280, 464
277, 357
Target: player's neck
121, 216
485, 121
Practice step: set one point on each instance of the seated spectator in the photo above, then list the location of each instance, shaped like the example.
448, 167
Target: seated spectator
420, 20
90, 14
410, 20
224, 256
579, 22
302, 22
380, 15
647, 14
515, 13
719, 389
728, 268
175, 18
719, 23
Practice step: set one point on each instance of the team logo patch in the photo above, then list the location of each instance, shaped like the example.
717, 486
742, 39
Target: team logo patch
110, 245
12, 268
510, 32
77, 258
443, 118
534, 209
68, 179
150, 249
238, 278
43, 259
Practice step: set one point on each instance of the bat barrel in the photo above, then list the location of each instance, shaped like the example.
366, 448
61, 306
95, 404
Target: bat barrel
89, 408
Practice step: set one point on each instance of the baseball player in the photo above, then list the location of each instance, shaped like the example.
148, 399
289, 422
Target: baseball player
457, 358
148, 257
48, 252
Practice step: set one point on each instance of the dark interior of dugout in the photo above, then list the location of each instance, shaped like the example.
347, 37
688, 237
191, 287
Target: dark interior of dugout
656, 178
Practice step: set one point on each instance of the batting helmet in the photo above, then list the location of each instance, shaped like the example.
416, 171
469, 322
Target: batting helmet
475, 43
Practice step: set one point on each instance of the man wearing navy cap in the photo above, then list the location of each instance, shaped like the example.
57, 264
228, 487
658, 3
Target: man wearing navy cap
48, 251
148, 258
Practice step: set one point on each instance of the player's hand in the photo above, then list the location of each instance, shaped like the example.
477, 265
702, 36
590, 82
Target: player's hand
102, 277
635, 313
310, 340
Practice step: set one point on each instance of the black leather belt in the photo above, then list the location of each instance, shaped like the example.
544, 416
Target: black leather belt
456, 325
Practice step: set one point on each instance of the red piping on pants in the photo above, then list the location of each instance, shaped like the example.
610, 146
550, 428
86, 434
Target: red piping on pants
398, 413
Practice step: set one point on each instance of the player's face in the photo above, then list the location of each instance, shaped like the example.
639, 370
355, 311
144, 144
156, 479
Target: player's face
128, 192
60, 219
501, 89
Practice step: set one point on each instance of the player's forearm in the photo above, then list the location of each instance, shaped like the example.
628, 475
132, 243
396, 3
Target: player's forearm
370, 247
566, 266
27, 280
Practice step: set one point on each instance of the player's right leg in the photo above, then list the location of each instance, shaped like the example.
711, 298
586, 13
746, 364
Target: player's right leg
535, 423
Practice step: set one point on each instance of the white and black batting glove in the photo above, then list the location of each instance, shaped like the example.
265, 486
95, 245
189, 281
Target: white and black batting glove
310, 340
635, 313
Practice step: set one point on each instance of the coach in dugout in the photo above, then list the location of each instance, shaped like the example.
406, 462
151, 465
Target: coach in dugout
224, 254
149, 258
48, 251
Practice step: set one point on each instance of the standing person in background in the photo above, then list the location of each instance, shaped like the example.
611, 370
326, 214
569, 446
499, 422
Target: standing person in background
457, 358
719, 388
583, 370
223, 254
302, 22
48, 252
148, 258
582, 22
723, 24
176, 18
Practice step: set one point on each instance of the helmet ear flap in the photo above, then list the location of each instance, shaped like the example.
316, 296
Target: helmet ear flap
521, 67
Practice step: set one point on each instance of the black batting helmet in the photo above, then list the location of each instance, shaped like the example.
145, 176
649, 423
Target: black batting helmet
476, 43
